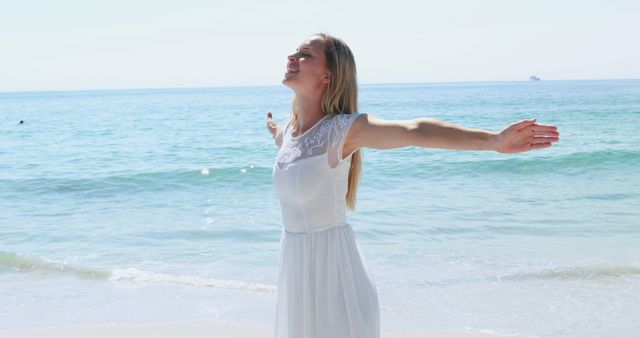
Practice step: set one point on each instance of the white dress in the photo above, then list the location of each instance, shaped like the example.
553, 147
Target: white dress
325, 288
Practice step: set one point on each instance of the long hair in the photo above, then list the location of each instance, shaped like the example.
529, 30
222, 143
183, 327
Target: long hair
340, 97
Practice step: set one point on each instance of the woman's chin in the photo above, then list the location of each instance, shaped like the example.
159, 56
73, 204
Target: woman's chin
287, 83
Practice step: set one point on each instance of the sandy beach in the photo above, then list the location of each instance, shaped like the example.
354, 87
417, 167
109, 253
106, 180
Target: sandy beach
197, 329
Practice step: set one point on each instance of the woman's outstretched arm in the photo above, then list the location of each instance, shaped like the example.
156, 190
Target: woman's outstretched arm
275, 130
371, 132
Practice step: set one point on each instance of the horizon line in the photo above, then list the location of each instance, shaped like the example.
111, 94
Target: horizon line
278, 85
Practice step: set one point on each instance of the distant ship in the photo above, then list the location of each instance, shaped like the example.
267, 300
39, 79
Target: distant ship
534, 78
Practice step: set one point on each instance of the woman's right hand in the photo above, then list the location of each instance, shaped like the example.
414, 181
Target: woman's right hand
271, 124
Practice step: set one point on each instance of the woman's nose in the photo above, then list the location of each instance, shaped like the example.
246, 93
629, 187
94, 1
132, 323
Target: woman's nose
291, 57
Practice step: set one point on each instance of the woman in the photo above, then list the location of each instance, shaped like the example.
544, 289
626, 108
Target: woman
325, 289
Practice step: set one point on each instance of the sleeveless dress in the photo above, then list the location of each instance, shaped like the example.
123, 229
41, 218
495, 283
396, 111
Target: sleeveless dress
325, 288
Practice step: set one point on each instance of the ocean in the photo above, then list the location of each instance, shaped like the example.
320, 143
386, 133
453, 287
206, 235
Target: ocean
157, 205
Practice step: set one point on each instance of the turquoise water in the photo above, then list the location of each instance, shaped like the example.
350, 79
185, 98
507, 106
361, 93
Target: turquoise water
143, 206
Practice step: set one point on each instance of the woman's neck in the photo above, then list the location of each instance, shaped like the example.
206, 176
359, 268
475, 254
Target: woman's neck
308, 113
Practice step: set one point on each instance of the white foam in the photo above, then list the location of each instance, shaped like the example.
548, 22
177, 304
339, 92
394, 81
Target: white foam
136, 275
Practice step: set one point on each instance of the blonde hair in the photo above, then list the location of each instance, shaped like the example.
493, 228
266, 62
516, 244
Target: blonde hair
340, 97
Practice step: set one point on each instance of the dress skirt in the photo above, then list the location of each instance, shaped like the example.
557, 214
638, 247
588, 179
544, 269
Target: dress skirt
325, 288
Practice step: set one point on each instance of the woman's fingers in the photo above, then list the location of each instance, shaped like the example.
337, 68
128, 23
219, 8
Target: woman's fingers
271, 124
548, 126
545, 132
544, 128
545, 139
541, 130
539, 145
270, 121
535, 128
524, 123
540, 139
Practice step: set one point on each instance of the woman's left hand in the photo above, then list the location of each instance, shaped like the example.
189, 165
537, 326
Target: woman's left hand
526, 135
272, 126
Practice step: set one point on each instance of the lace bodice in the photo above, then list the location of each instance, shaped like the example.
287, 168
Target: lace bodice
310, 175
327, 136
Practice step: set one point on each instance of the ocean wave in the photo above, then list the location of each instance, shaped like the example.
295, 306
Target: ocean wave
570, 164
603, 271
135, 275
27, 264
19, 263
596, 272
137, 182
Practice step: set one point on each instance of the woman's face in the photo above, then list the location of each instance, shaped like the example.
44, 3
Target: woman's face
306, 69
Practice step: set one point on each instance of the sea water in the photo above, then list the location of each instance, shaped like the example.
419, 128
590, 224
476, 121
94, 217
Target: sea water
157, 205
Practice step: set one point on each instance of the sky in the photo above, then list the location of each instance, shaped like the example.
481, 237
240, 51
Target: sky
118, 44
